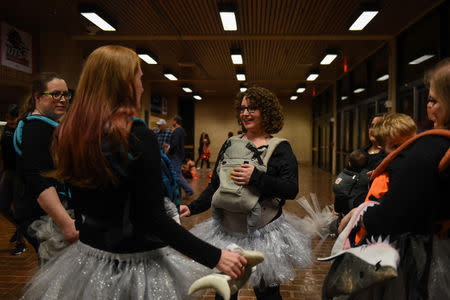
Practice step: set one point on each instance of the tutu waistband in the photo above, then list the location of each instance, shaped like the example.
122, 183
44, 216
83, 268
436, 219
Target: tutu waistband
136, 257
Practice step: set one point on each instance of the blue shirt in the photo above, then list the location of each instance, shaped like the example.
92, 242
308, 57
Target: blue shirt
163, 137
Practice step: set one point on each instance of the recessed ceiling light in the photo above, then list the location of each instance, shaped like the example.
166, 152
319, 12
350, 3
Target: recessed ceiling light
344, 98
363, 19
294, 97
147, 56
170, 76
301, 89
187, 89
197, 97
240, 76
97, 16
359, 90
312, 76
421, 59
383, 77
228, 17
236, 57
243, 89
328, 59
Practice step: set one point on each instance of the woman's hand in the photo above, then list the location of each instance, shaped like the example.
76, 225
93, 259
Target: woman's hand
345, 220
232, 264
184, 211
242, 174
71, 234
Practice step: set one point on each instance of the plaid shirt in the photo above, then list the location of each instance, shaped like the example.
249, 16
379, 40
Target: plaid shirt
163, 137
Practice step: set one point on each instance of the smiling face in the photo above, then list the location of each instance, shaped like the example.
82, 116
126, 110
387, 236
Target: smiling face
47, 105
250, 116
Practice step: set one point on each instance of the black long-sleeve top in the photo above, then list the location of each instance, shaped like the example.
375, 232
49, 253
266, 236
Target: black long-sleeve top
35, 160
280, 180
143, 186
418, 194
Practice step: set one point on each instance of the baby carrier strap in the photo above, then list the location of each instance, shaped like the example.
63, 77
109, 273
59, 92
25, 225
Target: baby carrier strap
272, 145
444, 163
17, 140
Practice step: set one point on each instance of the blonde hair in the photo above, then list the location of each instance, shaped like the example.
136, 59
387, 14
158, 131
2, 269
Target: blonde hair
392, 126
439, 78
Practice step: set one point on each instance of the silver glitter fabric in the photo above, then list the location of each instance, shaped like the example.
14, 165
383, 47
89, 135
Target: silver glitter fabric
83, 272
284, 245
49, 236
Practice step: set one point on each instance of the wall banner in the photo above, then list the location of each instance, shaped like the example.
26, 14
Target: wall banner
16, 48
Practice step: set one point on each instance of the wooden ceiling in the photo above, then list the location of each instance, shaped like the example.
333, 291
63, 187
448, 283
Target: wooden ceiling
281, 40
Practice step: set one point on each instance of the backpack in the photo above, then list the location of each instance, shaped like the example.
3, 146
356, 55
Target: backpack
239, 198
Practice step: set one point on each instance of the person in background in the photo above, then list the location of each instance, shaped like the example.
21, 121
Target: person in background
39, 195
118, 196
351, 185
200, 149
390, 132
176, 152
163, 134
374, 154
9, 176
206, 154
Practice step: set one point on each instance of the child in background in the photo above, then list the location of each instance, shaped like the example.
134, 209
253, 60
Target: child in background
205, 151
390, 132
188, 169
351, 185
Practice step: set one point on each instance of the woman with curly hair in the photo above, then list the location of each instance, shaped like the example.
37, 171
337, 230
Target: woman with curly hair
259, 224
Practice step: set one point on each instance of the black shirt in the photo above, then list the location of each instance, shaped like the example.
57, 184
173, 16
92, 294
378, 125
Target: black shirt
418, 194
35, 160
373, 160
280, 180
177, 143
143, 186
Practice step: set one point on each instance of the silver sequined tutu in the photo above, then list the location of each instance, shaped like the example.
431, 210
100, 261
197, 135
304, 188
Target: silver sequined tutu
83, 272
284, 244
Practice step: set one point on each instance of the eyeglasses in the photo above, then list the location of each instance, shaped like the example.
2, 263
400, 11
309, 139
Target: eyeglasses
250, 109
58, 95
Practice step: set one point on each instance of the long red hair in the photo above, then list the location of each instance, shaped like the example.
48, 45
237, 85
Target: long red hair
102, 111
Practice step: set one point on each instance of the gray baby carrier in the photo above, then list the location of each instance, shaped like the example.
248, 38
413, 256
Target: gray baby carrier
235, 200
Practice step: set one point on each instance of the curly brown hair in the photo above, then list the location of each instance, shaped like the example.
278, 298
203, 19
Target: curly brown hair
267, 103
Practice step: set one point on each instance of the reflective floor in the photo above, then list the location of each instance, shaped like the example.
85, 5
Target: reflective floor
16, 270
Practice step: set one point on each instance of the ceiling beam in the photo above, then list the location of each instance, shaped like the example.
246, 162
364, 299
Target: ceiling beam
323, 37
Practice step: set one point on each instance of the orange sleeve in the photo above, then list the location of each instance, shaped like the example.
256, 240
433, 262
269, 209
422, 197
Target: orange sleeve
378, 189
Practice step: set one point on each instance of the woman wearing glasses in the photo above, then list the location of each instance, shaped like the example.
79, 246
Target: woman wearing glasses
38, 195
260, 115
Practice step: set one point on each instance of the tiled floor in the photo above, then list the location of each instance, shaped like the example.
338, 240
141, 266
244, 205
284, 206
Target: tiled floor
15, 270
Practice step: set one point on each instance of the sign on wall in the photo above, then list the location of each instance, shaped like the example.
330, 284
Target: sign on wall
16, 47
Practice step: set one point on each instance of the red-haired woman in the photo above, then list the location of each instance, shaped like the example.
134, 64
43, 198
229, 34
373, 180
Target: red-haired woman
114, 167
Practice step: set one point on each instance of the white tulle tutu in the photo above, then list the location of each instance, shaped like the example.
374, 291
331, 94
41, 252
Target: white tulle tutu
50, 237
285, 247
83, 272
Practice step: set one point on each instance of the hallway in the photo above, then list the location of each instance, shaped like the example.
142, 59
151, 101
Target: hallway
15, 270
